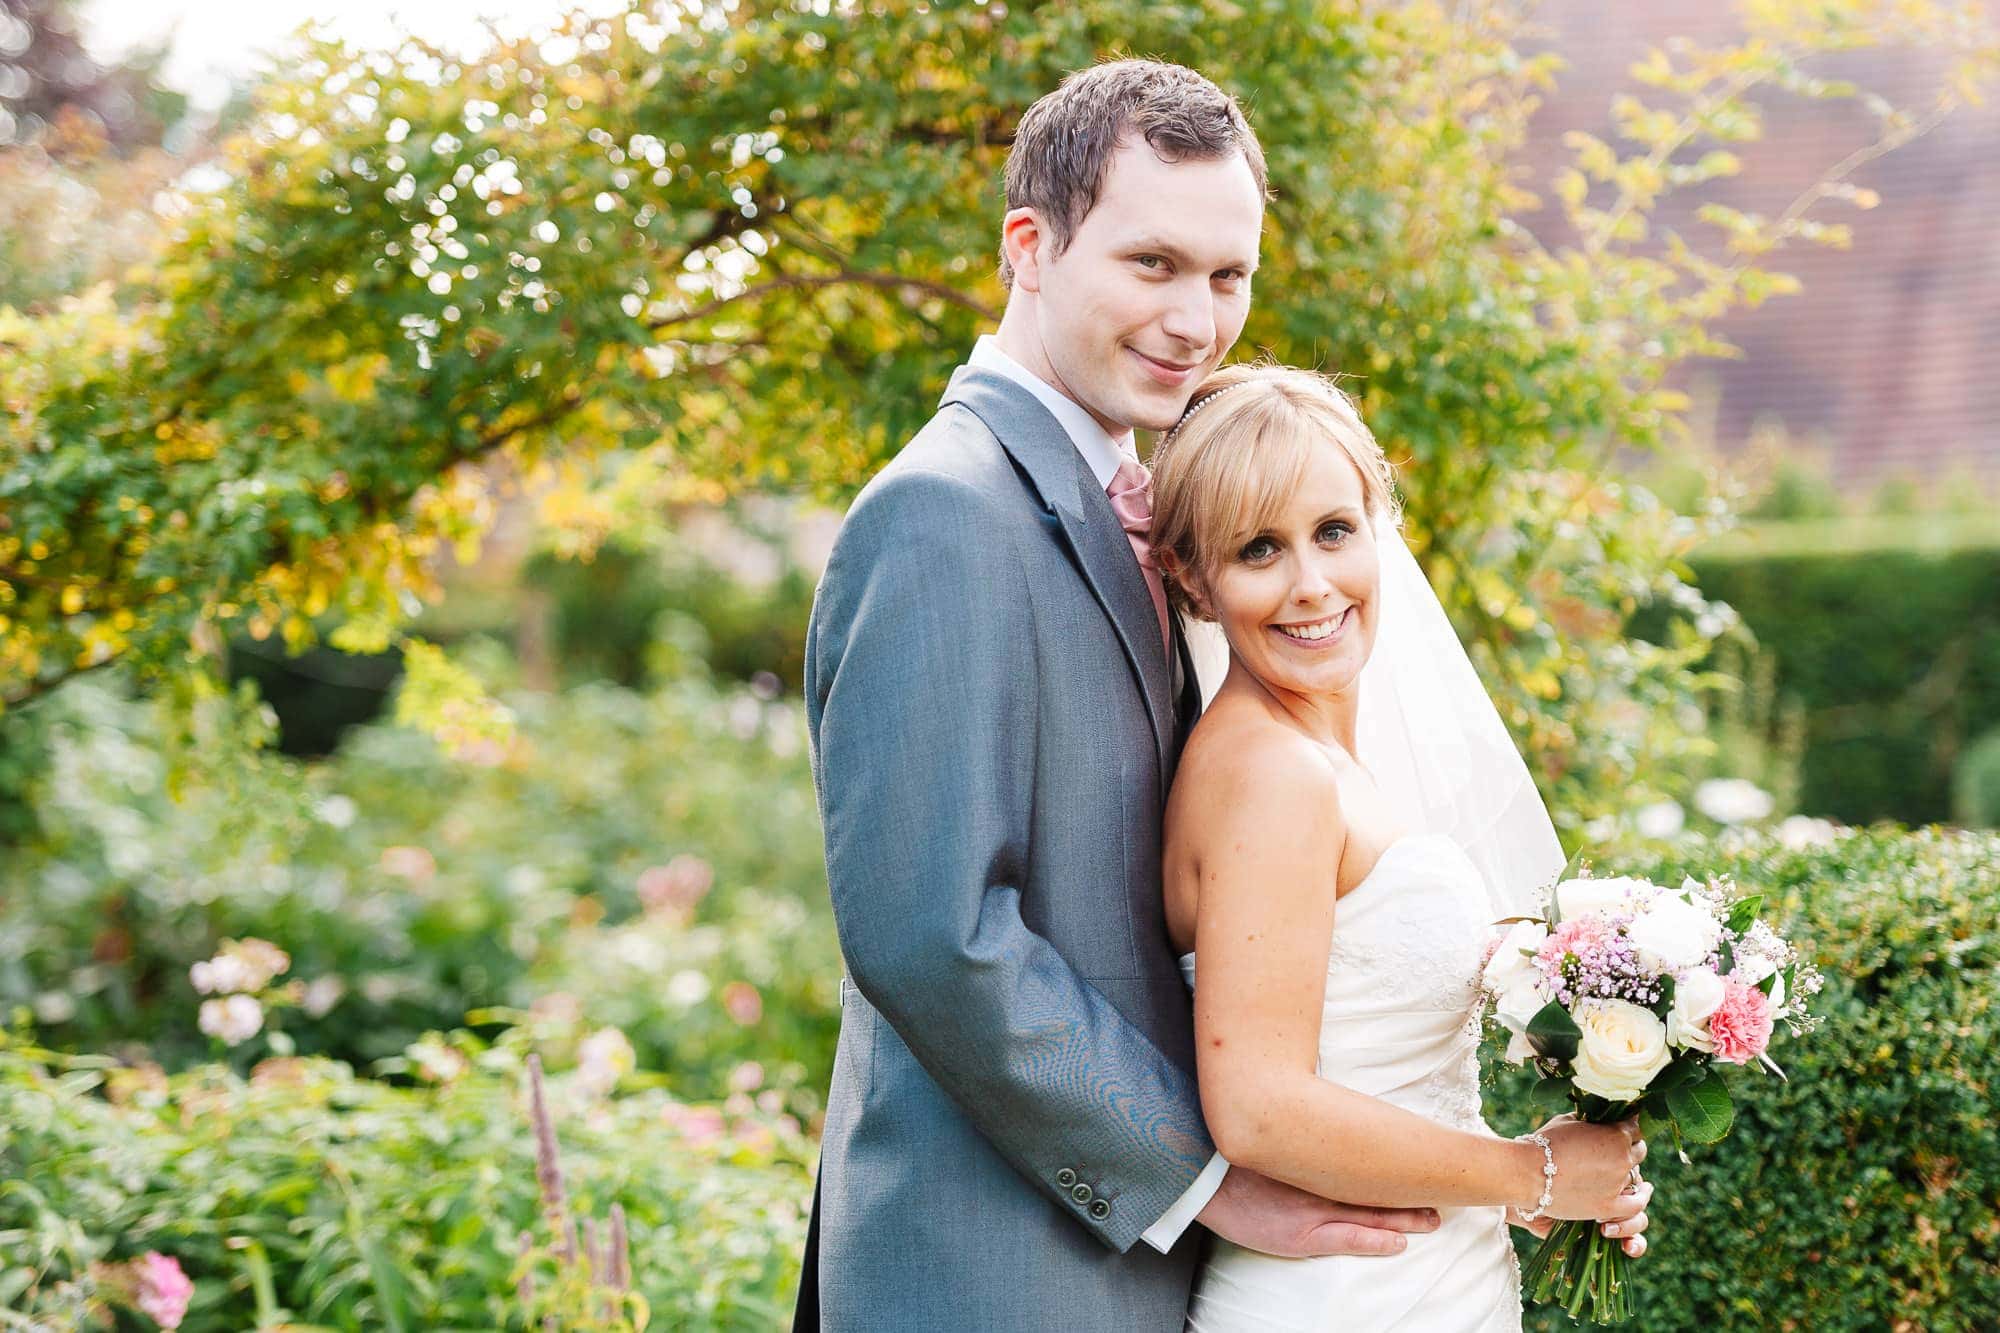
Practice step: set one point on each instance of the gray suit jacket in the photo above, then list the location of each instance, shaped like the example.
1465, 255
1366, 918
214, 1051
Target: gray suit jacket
993, 734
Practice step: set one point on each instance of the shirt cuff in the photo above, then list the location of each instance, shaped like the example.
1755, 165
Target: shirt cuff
1164, 1233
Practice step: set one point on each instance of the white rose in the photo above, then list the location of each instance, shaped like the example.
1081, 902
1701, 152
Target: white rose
1514, 958
1673, 933
1696, 996
1580, 897
1623, 1047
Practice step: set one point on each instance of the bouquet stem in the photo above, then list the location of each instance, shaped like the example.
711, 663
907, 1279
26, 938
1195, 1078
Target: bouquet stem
1577, 1268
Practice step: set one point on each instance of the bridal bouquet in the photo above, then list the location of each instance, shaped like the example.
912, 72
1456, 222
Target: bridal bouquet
1628, 997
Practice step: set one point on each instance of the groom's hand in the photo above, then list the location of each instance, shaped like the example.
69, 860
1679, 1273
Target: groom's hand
1269, 1216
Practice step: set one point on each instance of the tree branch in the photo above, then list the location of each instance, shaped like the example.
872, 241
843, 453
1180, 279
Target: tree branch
893, 282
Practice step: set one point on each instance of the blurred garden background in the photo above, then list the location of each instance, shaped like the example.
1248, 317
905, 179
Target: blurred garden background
417, 446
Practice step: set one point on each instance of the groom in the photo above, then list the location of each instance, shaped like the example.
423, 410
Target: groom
997, 697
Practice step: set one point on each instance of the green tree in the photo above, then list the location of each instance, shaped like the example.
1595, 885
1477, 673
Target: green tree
743, 247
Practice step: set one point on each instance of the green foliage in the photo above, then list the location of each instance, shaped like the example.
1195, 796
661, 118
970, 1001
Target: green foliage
1975, 792
414, 887
745, 248
630, 615
1888, 658
304, 1195
1863, 1191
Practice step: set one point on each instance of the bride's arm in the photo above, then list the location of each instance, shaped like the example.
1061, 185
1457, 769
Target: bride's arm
1267, 836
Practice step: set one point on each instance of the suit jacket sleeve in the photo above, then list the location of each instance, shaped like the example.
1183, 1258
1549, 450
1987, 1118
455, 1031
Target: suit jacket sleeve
922, 682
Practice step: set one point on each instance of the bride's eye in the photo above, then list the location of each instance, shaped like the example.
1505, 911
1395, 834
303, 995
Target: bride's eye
1257, 548
1335, 533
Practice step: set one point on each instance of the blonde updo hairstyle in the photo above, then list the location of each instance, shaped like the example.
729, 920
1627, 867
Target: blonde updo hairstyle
1226, 471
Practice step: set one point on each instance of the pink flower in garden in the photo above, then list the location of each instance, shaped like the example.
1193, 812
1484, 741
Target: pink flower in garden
676, 886
413, 863
1741, 1025
741, 1002
697, 1124
163, 1289
746, 1077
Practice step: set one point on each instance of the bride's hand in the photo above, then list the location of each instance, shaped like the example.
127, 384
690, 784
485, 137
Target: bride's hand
1597, 1176
1631, 1230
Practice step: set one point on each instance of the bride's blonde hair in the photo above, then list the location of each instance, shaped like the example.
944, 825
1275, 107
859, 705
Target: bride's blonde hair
1226, 470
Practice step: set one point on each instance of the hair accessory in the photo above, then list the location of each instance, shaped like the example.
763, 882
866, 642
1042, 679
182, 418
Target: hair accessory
1548, 1173
1200, 403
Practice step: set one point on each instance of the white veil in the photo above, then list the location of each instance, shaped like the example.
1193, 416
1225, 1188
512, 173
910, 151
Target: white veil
1430, 736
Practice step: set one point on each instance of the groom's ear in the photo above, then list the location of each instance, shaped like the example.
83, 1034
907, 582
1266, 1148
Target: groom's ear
1024, 241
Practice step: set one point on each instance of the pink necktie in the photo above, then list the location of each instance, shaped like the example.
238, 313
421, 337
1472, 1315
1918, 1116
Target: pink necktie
1131, 493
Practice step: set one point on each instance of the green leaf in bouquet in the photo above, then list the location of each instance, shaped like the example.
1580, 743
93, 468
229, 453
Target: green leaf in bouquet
1703, 1110
1725, 962
1665, 1004
1679, 1074
1569, 870
1742, 912
1553, 1033
1550, 1094
1654, 1123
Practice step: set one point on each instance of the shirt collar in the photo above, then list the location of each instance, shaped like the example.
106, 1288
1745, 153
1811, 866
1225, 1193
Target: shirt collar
1102, 452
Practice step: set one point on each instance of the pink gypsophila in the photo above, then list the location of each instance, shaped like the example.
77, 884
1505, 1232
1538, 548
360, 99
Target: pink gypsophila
164, 1290
1741, 1025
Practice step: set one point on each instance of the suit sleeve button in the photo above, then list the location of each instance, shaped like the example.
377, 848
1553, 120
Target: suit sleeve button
1082, 1194
1065, 1178
1100, 1210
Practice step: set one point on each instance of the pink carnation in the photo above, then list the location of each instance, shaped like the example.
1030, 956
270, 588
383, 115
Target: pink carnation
163, 1289
1741, 1024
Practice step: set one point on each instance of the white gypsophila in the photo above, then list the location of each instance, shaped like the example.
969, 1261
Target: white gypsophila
231, 1019
1697, 995
1672, 933
1580, 897
1733, 801
1759, 954
1622, 1047
1660, 820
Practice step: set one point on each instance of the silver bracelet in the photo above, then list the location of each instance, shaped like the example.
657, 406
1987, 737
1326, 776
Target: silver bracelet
1548, 1173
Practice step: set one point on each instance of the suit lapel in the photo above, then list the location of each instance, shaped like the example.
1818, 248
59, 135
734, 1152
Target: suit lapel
1043, 450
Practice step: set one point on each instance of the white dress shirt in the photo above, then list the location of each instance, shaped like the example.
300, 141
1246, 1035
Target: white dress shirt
1102, 453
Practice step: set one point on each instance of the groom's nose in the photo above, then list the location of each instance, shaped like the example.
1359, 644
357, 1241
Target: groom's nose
1190, 314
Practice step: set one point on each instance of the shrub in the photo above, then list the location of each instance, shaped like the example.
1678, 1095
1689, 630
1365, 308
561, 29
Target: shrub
1863, 1193
418, 888
1976, 783
305, 1194
1890, 653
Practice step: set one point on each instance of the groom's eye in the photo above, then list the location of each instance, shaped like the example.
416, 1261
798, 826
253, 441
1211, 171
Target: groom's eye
1153, 262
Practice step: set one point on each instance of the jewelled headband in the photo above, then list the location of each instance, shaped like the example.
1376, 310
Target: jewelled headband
1198, 404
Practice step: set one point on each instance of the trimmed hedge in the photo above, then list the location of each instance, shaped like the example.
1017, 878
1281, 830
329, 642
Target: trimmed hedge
1863, 1193
1893, 653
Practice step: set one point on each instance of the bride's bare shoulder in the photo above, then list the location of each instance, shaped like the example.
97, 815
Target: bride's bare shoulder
1239, 758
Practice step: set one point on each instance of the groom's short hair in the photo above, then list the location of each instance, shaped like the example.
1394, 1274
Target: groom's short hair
1063, 145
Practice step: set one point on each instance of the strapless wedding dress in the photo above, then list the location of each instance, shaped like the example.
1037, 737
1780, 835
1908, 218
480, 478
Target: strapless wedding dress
1400, 1023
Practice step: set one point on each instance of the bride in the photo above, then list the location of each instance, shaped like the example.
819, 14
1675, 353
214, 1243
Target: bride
1348, 820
